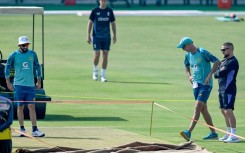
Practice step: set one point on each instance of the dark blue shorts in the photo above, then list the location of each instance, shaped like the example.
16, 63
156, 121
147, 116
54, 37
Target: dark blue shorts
227, 101
202, 92
101, 44
5, 146
24, 93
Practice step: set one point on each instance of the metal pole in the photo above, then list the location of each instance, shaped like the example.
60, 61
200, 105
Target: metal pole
151, 116
33, 30
43, 46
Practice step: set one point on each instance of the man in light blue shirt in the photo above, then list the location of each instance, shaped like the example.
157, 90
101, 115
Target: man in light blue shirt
24, 62
199, 61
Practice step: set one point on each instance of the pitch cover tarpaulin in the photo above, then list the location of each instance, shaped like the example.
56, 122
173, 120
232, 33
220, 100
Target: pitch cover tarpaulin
135, 147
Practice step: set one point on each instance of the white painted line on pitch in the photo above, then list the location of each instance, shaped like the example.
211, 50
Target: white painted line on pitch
126, 132
89, 127
96, 128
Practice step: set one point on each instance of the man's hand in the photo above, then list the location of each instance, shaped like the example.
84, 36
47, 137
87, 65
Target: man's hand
206, 81
89, 40
10, 86
38, 84
191, 79
114, 39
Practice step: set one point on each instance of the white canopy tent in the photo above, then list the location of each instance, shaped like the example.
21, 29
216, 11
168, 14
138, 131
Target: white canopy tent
21, 10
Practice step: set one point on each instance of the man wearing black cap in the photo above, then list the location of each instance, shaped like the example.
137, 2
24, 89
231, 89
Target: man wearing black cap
199, 61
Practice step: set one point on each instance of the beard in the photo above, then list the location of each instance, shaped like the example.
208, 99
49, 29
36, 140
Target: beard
23, 50
225, 56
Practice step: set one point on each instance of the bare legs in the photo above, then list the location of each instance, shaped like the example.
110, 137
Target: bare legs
201, 107
104, 58
104, 64
32, 114
230, 118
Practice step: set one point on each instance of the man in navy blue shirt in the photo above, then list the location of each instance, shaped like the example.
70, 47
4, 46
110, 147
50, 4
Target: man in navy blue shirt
226, 75
100, 19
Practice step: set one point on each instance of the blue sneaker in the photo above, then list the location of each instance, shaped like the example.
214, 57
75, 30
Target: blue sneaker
211, 135
186, 134
22, 131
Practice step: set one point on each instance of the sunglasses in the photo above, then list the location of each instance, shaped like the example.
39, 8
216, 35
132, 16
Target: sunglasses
24, 45
224, 49
183, 47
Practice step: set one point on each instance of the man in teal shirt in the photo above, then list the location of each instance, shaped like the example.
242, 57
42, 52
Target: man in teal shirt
199, 61
24, 62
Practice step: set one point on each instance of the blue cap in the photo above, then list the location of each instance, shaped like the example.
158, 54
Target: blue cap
184, 41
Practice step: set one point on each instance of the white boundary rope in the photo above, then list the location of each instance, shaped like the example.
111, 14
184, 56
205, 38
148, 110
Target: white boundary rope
200, 122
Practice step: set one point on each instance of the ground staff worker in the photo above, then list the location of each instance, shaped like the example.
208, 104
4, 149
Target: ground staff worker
6, 119
100, 19
226, 74
199, 60
24, 62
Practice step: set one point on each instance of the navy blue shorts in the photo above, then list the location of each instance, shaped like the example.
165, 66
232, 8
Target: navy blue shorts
24, 93
101, 44
227, 101
202, 92
5, 146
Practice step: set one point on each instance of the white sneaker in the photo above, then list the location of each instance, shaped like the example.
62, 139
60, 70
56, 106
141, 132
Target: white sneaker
95, 75
232, 139
22, 135
38, 133
103, 79
224, 137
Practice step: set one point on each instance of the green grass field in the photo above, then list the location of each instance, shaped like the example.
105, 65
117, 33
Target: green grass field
143, 65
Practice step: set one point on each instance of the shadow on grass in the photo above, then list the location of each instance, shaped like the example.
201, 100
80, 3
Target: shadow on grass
129, 82
52, 118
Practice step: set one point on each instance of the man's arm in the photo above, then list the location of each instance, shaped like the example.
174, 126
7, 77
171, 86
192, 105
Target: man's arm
89, 28
214, 68
9, 84
9, 121
38, 71
225, 70
188, 73
8, 66
114, 30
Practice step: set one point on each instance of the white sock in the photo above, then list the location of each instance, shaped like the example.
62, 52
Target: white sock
95, 67
233, 130
228, 129
103, 72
